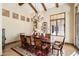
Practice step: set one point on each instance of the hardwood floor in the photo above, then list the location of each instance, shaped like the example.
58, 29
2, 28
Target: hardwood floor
68, 50
9, 52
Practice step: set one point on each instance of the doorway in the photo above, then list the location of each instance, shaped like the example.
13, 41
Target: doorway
57, 25
77, 30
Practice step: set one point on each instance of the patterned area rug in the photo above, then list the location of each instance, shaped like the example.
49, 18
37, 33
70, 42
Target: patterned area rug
24, 52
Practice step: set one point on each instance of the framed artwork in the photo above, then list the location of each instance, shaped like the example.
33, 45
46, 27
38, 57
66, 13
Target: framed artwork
44, 24
28, 19
5, 13
44, 27
15, 16
23, 18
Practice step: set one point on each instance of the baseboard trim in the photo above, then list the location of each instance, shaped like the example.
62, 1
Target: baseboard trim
76, 48
69, 43
12, 42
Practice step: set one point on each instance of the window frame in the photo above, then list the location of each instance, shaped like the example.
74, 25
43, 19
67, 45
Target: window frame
56, 23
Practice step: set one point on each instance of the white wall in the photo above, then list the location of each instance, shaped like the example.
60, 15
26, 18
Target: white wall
0, 29
69, 20
72, 24
13, 27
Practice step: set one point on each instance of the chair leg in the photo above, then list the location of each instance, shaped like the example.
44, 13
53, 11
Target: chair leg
52, 51
57, 52
61, 52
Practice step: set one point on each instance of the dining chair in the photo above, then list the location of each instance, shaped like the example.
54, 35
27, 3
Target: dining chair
30, 46
23, 40
38, 43
57, 45
38, 46
28, 42
46, 48
42, 48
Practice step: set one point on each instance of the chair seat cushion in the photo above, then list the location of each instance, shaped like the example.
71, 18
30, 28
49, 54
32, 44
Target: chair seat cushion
58, 44
57, 47
44, 46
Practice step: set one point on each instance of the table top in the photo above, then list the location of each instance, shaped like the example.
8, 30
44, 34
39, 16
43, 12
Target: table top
44, 40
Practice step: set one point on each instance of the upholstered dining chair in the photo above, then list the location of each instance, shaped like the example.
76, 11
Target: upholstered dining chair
23, 40
38, 43
46, 48
28, 42
42, 48
58, 46
30, 46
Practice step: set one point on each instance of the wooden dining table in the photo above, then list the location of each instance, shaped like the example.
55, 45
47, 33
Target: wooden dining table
46, 43
43, 40
46, 40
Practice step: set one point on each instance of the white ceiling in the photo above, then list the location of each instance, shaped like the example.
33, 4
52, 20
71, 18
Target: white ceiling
51, 5
38, 6
24, 9
27, 9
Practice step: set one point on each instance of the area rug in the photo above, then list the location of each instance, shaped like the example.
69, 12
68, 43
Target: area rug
24, 52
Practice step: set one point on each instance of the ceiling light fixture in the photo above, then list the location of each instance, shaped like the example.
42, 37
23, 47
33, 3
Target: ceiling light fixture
37, 16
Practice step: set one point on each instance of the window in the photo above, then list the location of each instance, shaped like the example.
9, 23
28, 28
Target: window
57, 23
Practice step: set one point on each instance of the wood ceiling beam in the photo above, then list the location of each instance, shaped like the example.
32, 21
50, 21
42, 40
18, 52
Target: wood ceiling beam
44, 6
33, 7
20, 4
57, 5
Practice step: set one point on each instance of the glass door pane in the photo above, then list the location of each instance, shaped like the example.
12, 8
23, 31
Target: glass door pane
53, 26
77, 30
60, 24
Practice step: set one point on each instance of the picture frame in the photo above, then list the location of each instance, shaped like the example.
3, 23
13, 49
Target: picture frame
44, 27
15, 15
28, 19
44, 23
23, 18
5, 13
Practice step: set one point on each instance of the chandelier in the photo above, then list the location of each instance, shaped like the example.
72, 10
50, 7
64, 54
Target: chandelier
37, 16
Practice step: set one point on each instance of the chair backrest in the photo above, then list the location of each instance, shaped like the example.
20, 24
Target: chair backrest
38, 42
28, 40
62, 42
23, 40
22, 37
48, 35
58, 38
32, 40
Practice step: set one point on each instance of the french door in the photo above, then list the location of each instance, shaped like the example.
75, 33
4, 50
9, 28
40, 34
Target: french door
57, 25
77, 30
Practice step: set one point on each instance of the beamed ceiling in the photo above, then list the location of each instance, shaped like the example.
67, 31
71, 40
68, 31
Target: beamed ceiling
36, 7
